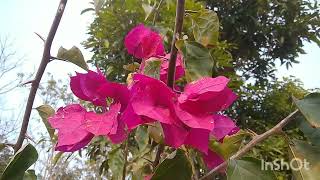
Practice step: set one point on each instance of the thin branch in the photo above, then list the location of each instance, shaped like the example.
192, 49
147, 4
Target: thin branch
257, 139
42, 38
35, 84
126, 149
156, 13
172, 61
176, 35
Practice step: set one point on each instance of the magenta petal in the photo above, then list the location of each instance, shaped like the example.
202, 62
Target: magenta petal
132, 120
174, 135
118, 92
223, 125
153, 99
103, 124
207, 95
199, 139
120, 135
143, 43
70, 123
212, 159
85, 87
203, 121
74, 147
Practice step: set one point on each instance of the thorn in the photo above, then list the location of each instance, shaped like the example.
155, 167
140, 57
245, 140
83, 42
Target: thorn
42, 38
28, 82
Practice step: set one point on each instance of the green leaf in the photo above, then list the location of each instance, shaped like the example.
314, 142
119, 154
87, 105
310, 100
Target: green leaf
155, 131
73, 55
248, 169
175, 166
56, 158
197, 58
147, 10
152, 67
230, 144
205, 27
310, 108
116, 162
30, 175
132, 67
45, 111
303, 152
20, 162
313, 134
142, 137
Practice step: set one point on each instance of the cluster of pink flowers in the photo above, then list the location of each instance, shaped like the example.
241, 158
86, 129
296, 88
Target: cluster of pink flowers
188, 118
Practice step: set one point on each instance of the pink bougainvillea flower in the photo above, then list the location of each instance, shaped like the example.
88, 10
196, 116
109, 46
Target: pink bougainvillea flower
223, 126
85, 86
143, 43
105, 123
72, 132
151, 98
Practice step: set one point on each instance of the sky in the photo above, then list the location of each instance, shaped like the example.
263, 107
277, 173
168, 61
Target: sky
21, 18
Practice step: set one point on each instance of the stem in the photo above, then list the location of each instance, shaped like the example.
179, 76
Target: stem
257, 139
174, 50
156, 13
172, 61
124, 171
35, 83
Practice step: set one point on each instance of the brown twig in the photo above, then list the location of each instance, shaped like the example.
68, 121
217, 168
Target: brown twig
35, 84
172, 61
257, 139
126, 149
42, 38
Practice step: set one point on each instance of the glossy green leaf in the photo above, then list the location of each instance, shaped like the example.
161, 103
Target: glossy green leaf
309, 156
205, 27
175, 166
142, 137
30, 175
248, 169
310, 108
152, 67
73, 55
198, 60
45, 111
20, 162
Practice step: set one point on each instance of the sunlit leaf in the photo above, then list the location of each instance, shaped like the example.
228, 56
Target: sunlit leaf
20, 162
45, 111
152, 68
313, 134
73, 55
248, 169
230, 144
205, 27
175, 166
198, 60
309, 156
142, 137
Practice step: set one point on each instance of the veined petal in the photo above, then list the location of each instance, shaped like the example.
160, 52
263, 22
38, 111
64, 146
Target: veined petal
223, 125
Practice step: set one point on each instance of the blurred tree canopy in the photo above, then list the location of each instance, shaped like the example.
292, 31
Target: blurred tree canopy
258, 32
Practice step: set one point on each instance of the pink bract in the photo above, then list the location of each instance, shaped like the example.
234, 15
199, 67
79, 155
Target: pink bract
72, 132
151, 98
143, 43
